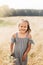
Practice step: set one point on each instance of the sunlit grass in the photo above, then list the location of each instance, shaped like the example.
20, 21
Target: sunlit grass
35, 56
6, 23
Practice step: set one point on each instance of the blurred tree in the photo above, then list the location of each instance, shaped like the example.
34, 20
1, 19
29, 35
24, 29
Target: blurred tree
5, 11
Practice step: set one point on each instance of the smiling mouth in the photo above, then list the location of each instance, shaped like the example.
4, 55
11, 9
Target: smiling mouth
23, 30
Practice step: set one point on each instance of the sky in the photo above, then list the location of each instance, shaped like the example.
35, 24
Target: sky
23, 4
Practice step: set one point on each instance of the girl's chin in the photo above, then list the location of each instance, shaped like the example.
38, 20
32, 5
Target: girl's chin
22, 32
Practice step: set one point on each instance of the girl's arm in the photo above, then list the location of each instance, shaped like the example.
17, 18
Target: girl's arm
12, 43
27, 50
29, 45
11, 48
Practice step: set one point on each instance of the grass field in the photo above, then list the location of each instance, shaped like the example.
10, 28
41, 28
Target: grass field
8, 26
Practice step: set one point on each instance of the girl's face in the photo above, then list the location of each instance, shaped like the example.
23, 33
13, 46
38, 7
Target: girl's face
23, 27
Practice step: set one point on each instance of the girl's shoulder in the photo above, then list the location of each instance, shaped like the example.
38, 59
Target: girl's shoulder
30, 39
29, 36
14, 35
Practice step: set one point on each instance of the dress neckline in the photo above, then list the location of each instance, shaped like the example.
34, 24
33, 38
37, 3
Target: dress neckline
22, 37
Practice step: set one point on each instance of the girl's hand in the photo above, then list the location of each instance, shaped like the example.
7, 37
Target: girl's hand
24, 56
12, 54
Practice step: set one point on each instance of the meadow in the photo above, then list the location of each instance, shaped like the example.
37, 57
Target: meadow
8, 26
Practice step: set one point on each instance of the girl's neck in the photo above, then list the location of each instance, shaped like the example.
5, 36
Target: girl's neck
22, 35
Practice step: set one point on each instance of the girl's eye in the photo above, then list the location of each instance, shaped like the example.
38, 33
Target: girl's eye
24, 26
21, 26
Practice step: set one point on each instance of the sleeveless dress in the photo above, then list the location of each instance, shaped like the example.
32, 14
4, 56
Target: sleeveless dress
20, 48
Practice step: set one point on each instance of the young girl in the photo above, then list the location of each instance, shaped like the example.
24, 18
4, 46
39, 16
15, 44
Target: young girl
22, 40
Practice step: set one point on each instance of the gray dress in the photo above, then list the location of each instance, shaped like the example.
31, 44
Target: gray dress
20, 48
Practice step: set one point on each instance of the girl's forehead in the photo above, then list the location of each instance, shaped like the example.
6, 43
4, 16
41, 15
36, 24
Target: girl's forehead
23, 23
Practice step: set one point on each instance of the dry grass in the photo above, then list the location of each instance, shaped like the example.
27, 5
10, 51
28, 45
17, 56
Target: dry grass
35, 56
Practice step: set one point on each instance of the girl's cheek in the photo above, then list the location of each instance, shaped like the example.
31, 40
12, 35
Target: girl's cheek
26, 29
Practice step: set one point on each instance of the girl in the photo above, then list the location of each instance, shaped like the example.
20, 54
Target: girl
22, 40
